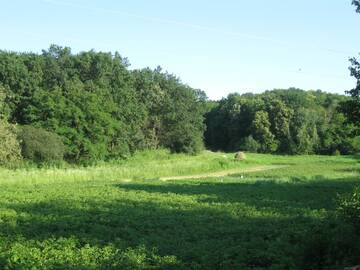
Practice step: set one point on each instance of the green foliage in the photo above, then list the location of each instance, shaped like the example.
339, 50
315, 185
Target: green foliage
304, 131
280, 116
262, 133
3, 107
250, 144
122, 216
351, 108
100, 108
335, 244
39, 145
355, 143
349, 207
330, 245
9, 145
68, 253
175, 112
289, 121
338, 135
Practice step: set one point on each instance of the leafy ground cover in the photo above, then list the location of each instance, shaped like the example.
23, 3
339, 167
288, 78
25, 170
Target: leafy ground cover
124, 216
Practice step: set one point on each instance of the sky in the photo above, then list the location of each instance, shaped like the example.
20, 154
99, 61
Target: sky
217, 46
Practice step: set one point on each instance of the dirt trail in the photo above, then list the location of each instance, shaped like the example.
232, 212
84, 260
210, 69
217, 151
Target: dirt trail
224, 173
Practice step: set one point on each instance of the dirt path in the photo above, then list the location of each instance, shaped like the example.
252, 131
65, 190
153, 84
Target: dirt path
224, 173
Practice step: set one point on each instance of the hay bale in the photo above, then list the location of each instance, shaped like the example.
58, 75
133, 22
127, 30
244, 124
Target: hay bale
240, 156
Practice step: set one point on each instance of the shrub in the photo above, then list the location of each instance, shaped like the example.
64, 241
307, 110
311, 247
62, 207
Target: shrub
330, 245
184, 140
40, 146
355, 143
249, 144
335, 243
9, 145
349, 208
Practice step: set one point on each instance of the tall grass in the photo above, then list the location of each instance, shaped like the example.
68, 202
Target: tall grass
143, 165
155, 164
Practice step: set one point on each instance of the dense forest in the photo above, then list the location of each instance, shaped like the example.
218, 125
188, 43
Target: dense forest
90, 106
95, 106
289, 121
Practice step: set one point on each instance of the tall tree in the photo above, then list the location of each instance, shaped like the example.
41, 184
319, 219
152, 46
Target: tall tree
9, 145
262, 133
280, 116
290, 121
100, 108
351, 108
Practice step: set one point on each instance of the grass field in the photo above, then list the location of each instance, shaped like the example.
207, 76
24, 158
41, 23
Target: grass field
135, 214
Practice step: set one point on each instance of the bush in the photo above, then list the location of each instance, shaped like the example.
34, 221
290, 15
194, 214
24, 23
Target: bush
355, 143
40, 146
250, 145
184, 140
349, 208
9, 145
330, 245
335, 243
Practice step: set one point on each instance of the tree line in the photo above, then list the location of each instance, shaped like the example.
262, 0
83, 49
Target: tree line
90, 107
290, 121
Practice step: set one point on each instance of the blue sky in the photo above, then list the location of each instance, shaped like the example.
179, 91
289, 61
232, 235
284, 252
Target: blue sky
218, 46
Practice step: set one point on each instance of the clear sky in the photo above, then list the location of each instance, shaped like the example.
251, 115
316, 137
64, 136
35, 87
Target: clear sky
217, 46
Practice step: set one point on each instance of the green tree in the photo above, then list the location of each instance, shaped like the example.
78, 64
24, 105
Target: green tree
9, 145
280, 116
262, 133
303, 128
174, 112
290, 121
39, 145
351, 108
183, 121
99, 108
250, 144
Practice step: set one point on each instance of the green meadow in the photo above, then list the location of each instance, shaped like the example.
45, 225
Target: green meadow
260, 213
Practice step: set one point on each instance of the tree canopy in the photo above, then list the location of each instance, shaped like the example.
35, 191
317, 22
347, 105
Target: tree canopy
91, 106
351, 108
289, 121
98, 106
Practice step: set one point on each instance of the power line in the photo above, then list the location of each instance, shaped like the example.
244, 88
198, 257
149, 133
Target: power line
199, 27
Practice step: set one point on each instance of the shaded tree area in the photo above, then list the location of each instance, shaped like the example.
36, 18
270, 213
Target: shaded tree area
100, 108
289, 121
